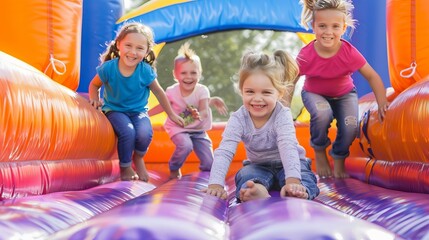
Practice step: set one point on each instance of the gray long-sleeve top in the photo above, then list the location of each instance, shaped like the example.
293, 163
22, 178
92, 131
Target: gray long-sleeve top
275, 141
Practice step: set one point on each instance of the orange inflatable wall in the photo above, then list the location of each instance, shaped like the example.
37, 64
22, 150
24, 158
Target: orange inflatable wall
46, 35
43, 120
403, 135
407, 41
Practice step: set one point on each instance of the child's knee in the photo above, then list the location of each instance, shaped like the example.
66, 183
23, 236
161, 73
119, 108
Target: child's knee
183, 143
144, 138
185, 147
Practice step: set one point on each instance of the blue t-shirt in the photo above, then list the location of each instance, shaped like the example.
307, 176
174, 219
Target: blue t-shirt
125, 94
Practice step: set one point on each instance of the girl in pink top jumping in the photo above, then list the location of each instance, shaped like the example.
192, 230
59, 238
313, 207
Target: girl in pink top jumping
329, 93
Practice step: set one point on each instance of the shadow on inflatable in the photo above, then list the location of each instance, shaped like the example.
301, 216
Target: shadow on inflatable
59, 168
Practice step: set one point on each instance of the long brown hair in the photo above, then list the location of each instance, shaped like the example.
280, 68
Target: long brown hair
112, 50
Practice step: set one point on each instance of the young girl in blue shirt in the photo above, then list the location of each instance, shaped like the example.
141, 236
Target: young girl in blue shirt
128, 76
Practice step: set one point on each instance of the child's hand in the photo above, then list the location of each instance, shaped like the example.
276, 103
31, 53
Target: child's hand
216, 190
96, 103
194, 113
220, 105
294, 190
190, 115
177, 119
382, 109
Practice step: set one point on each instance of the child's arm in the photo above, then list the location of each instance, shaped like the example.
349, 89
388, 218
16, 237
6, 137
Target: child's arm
377, 87
94, 92
219, 104
203, 108
163, 101
223, 156
290, 155
155, 110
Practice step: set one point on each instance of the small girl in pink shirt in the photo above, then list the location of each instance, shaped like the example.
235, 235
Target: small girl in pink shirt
190, 100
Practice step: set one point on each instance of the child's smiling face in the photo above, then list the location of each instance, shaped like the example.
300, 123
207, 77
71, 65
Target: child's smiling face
133, 48
259, 96
328, 26
187, 74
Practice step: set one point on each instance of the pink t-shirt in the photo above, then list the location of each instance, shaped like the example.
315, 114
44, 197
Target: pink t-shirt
329, 77
179, 105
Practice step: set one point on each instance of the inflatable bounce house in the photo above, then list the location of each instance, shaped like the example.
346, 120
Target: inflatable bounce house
58, 163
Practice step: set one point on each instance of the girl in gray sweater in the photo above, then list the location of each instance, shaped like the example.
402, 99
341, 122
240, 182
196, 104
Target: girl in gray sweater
275, 160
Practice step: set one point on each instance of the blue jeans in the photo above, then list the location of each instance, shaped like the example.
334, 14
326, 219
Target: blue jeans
322, 111
272, 176
134, 132
186, 142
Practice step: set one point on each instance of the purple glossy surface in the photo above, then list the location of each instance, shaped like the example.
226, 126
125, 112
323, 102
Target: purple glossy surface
37, 217
406, 214
175, 210
179, 210
292, 218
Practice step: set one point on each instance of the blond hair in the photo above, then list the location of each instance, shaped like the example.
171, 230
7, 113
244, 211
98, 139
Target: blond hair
112, 50
185, 54
311, 6
280, 68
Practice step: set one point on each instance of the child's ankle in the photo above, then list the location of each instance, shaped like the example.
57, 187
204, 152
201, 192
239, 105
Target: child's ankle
175, 174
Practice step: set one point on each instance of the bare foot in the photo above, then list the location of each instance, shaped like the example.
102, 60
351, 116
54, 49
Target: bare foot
253, 191
175, 174
128, 174
322, 164
340, 169
140, 168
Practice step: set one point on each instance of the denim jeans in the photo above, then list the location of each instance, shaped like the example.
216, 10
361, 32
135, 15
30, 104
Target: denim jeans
322, 111
272, 176
186, 142
134, 132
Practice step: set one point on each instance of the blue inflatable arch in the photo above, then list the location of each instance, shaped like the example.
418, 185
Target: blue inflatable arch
190, 18
174, 20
